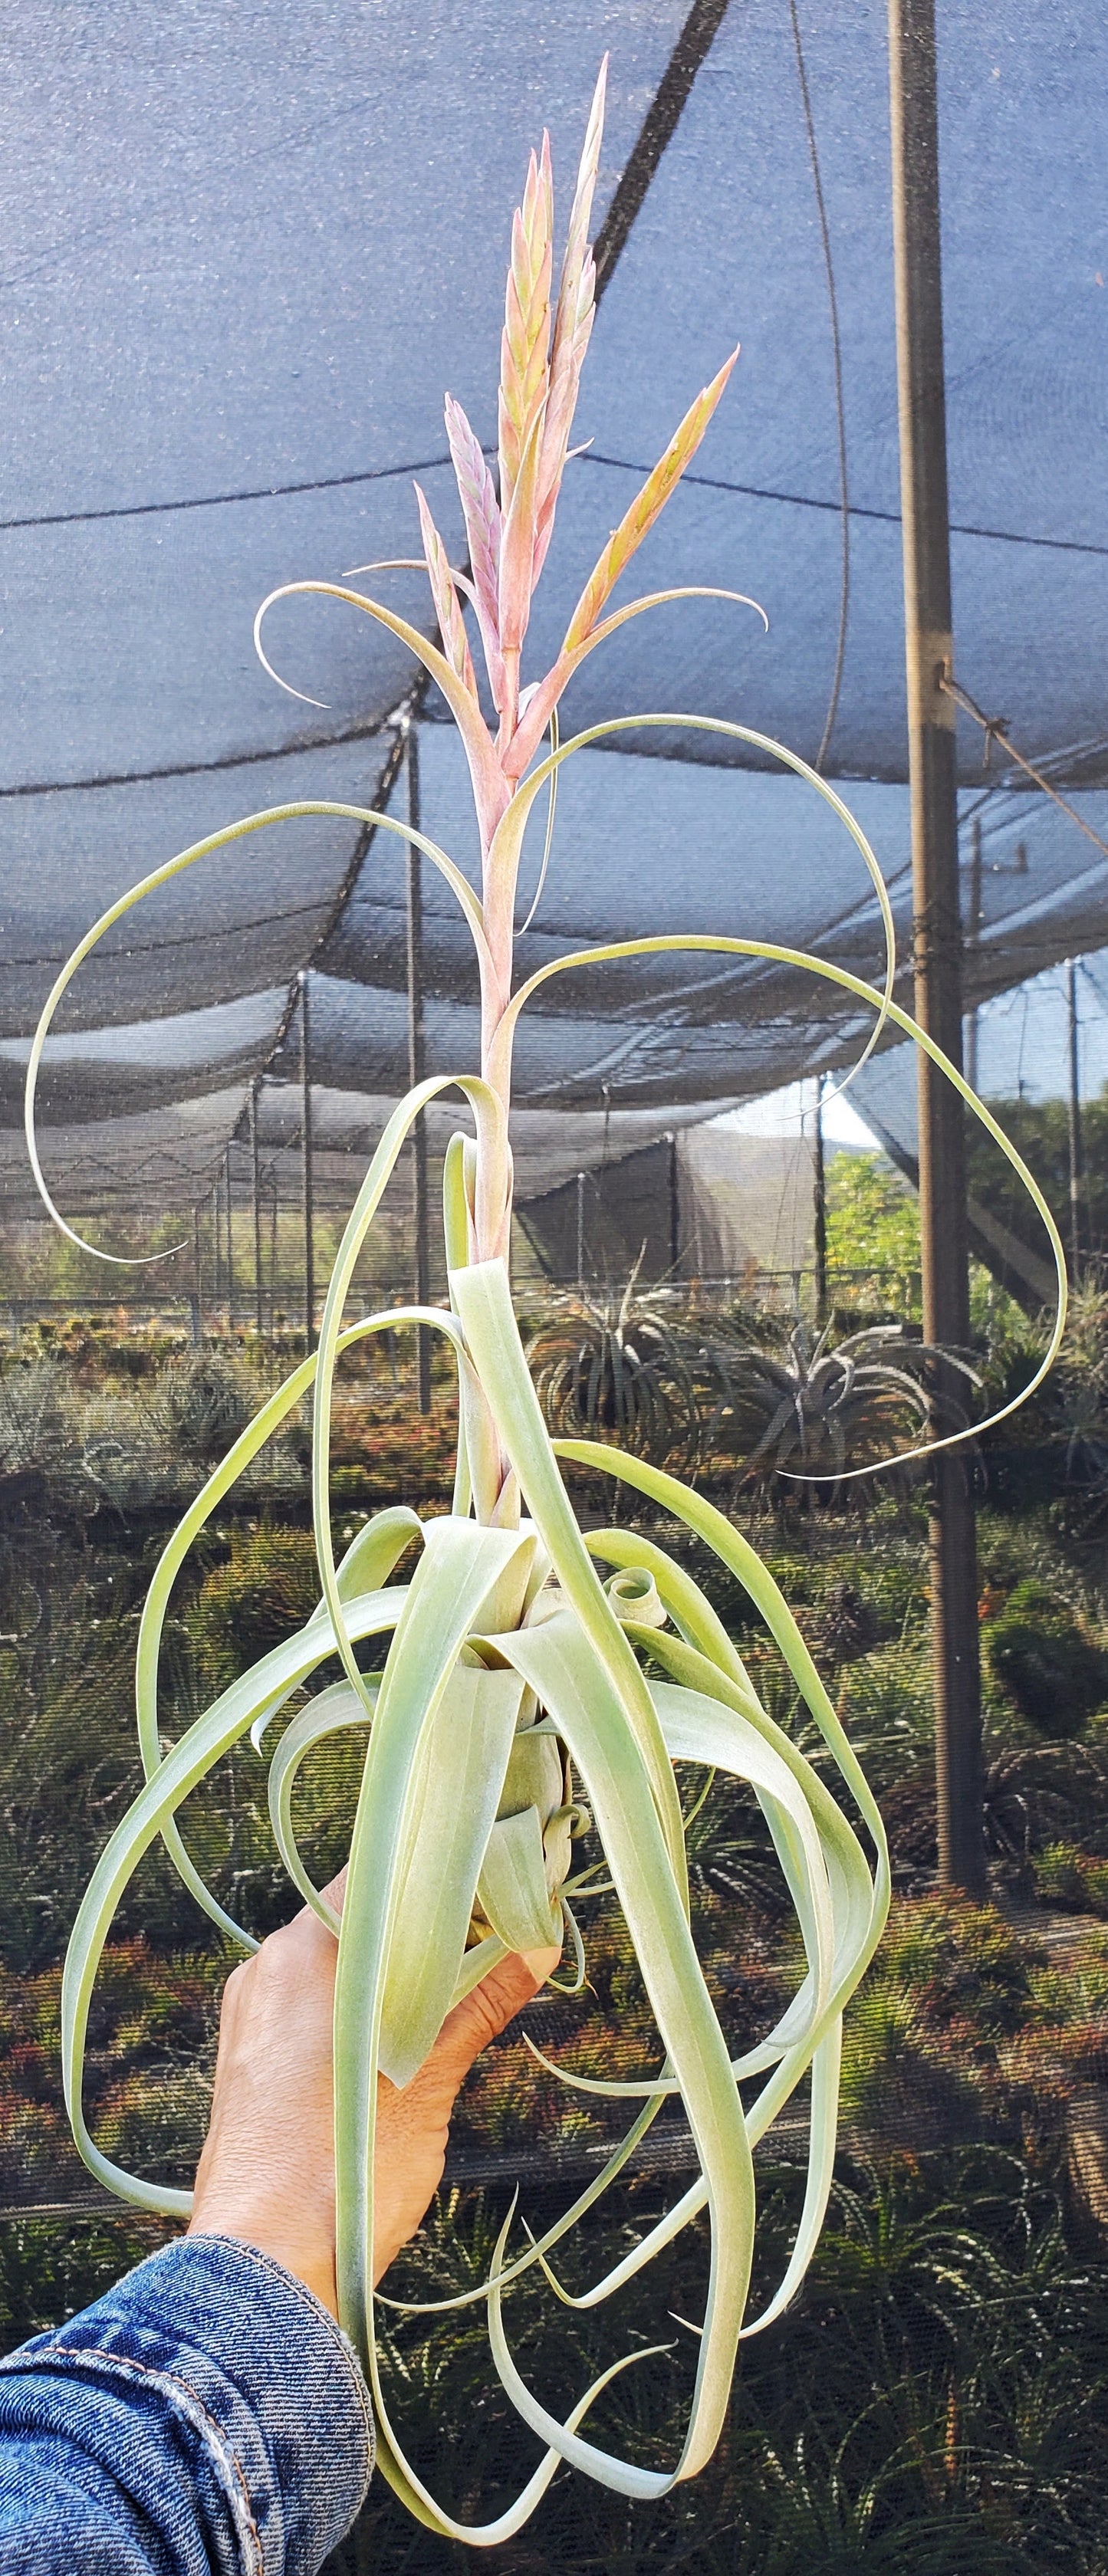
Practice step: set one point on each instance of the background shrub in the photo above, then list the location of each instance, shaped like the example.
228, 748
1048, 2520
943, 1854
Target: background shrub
1036, 1652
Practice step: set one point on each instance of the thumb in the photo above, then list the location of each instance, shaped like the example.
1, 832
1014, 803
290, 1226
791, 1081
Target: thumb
482, 2015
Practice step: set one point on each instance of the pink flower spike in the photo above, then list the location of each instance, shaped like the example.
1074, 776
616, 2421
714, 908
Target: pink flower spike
646, 507
481, 511
526, 336
455, 642
572, 325
517, 550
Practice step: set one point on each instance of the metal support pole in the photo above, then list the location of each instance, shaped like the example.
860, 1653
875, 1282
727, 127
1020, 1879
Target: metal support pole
230, 1243
215, 1245
306, 1160
252, 1113
973, 934
674, 1204
819, 1208
581, 1234
1076, 1139
938, 930
417, 1066
198, 1271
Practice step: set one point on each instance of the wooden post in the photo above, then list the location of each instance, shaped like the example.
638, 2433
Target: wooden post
252, 1112
973, 934
307, 1177
215, 1245
819, 1209
417, 1067
229, 1210
198, 1269
1076, 1138
674, 1205
938, 932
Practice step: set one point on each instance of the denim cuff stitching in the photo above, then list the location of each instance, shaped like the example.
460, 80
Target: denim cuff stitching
180, 2394
269, 2263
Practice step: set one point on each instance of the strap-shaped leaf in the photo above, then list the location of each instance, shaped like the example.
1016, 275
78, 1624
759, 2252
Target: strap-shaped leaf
456, 1789
531, 787
453, 1579
330, 1714
535, 1774
366, 1566
189, 1762
512, 1891
163, 875
377, 1546
817, 2039
645, 2485
736, 1552
461, 1565
681, 1597
488, 1111
698, 1728
482, 1300
561, 1662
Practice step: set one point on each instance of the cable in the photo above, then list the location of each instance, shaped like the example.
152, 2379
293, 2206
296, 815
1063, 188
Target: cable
840, 409
858, 509
658, 128
201, 768
995, 730
222, 500
192, 938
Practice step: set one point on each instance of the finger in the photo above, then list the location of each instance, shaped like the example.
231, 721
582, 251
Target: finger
482, 2015
334, 1895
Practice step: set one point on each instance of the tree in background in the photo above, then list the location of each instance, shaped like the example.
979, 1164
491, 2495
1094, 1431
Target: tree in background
873, 1228
1040, 1128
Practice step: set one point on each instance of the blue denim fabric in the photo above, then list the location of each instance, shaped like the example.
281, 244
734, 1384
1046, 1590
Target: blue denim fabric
206, 2418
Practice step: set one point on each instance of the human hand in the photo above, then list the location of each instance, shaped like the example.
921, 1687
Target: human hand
267, 2171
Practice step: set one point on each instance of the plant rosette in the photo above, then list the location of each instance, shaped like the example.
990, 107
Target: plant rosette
526, 1679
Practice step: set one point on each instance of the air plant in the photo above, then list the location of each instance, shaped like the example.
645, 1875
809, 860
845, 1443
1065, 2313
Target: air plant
509, 1670
628, 1365
818, 1405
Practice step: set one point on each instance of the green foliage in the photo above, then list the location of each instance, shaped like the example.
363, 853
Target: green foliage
68, 1762
1073, 1879
266, 1590
148, 2077
36, 1434
51, 2268
68, 1753
873, 1224
1036, 1794
1040, 1128
1037, 1653
886, 1704
1056, 1447
204, 1399
923, 2040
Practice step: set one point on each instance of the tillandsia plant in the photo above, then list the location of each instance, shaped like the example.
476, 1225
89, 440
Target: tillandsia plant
630, 1365
514, 1680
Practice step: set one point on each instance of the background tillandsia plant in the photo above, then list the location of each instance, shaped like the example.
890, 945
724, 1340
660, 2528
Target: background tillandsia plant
509, 1670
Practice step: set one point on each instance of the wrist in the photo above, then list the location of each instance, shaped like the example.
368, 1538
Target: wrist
300, 2240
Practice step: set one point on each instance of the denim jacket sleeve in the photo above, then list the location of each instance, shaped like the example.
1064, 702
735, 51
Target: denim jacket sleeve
205, 2418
